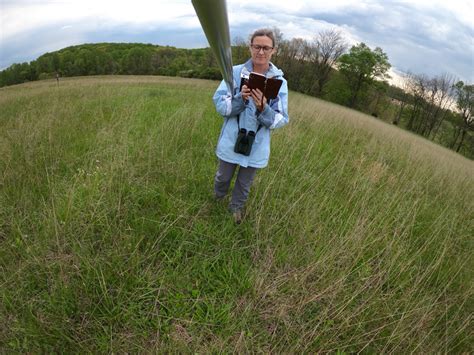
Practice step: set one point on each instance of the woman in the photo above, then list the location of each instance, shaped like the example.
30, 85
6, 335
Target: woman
248, 109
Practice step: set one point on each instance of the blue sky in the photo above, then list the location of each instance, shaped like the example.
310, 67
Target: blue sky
421, 36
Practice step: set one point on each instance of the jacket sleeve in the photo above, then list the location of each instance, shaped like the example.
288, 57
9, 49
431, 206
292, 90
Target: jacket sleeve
225, 104
275, 115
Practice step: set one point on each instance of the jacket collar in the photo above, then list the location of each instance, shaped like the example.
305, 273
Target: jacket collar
272, 70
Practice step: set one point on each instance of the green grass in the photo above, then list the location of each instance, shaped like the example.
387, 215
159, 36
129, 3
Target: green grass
358, 235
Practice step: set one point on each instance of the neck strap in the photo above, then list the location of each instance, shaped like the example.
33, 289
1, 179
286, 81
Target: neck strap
238, 124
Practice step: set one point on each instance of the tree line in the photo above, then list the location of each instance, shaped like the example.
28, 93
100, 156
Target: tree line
115, 59
438, 108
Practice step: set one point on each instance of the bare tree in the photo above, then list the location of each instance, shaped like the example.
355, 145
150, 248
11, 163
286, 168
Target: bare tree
436, 93
292, 57
329, 45
308, 64
403, 98
417, 89
278, 36
239, 41
443, 101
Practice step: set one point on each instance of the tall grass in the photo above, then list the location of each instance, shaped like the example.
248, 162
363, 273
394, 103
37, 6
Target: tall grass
358, 236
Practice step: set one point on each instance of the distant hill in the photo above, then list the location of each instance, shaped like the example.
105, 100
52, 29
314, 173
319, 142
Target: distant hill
115, 58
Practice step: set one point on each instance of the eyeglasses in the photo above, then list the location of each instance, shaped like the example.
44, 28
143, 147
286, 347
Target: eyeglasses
256, 48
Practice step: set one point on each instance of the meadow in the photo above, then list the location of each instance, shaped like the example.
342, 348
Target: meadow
357, 237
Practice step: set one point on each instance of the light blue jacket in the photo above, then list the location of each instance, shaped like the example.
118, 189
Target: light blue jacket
275, 115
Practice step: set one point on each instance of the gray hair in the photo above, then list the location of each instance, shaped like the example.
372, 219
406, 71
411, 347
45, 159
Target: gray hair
263, 32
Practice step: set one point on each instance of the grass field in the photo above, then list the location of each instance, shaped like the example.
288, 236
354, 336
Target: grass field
358, 235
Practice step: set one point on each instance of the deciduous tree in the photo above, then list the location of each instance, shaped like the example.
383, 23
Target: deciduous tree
361, 66
465, 103
329, 46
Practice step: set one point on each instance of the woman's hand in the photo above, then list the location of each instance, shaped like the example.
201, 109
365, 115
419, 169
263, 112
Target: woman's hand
259, 99
245, 92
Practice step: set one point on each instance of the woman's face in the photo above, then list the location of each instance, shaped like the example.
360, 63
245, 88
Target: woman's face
261, 50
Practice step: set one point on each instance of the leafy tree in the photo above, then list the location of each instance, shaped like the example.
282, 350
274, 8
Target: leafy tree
44, 64
138, 61
465, 103
161, 59
55, 61
378, 102
361, 66
337, 90
67, 64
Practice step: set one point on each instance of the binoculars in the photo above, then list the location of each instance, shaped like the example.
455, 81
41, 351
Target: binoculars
244, 142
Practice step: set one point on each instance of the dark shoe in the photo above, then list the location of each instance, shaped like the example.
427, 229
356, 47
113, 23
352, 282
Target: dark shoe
238, 217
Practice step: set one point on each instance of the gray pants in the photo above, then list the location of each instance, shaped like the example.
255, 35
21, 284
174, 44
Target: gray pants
242, 185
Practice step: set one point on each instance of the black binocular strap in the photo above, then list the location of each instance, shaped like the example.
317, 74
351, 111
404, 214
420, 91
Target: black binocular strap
238, 125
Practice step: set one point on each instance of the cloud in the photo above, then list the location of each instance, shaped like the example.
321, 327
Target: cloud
431, 36
24, 16
428, 39
426, 36
50, 38
30, 45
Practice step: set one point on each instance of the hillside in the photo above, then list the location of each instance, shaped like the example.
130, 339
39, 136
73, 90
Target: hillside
419, 108
358, 235
115, 58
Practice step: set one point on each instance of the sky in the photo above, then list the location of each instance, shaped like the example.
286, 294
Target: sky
431, 37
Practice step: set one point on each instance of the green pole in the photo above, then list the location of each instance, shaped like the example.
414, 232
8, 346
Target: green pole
213, 17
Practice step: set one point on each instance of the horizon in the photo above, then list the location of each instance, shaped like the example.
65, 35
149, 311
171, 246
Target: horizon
395, 78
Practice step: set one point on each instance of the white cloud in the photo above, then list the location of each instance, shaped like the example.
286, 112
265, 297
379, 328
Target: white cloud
430, 28
24, 16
